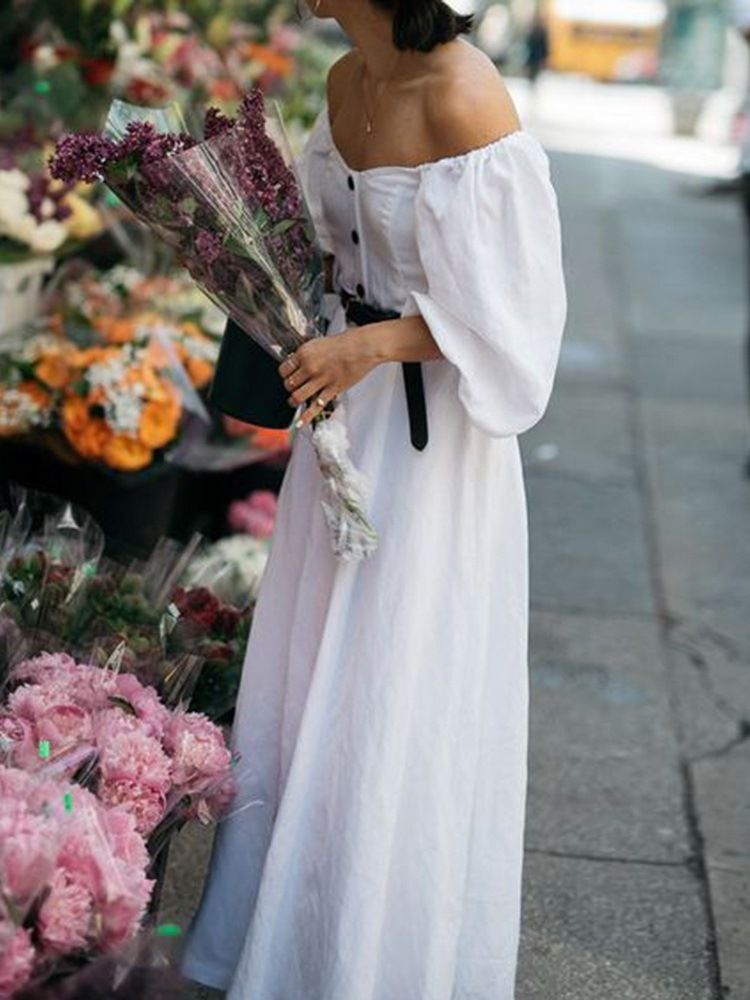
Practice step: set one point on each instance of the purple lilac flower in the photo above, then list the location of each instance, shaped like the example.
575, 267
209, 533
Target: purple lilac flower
209, 246
82, 157
216, 123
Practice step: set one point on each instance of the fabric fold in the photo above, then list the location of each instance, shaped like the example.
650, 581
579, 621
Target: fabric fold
488, 237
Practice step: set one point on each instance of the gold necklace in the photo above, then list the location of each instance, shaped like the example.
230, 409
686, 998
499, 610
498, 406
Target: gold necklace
370, 118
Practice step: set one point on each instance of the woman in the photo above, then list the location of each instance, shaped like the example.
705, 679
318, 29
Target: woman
382, 717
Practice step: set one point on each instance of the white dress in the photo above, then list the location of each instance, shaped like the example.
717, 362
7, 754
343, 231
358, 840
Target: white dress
382, 717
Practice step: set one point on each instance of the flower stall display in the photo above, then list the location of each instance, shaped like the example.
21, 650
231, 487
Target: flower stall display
115, 368
116, 404
115, 372
178, 622
65, 62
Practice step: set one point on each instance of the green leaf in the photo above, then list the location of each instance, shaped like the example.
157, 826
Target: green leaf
122, 703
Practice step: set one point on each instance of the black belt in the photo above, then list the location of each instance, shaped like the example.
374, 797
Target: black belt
360, 314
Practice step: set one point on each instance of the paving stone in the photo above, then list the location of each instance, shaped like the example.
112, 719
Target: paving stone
604, 766
689, 369
584, 434
596, 931
587, 546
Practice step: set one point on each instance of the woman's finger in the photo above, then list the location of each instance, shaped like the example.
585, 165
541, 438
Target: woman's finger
288, 366
315, 408
307, 390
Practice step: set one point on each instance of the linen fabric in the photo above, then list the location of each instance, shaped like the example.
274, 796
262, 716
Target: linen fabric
382, 716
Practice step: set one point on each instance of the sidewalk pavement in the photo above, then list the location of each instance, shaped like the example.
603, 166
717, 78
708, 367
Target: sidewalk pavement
638, 871
637, 883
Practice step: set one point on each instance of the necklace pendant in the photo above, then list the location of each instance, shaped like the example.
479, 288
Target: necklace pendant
368, 127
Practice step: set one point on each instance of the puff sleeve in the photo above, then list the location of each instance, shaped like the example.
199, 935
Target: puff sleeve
311, 165
488, 236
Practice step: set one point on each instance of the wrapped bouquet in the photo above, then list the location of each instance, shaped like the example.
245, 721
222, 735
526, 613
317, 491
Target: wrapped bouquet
228, 203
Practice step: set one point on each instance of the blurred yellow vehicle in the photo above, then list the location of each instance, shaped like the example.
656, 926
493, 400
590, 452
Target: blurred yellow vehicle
606, 39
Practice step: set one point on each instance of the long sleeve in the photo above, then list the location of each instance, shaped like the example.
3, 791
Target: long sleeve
310, 166
488, 236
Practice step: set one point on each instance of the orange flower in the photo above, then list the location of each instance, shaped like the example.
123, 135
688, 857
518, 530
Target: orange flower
126, 453
276, 62
53, 369
115, 330
91, 355
159, 422
224, 90
201, 372
75, 414
36, 392
89, 440
88, 435
270, 438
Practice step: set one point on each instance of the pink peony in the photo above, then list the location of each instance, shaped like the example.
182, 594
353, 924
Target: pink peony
264, 500
18, 740
148, 806
121, 917
145, 701
32, 700
43, 667
64, 726
16, 958
243, 518
200, 756
65, 917
27, 852
136, 757
127, 843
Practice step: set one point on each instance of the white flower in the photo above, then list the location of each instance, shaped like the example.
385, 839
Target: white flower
124, 412
118, 33
14, 205
47, 208
106, 374
45, 58
47, 236
14, 179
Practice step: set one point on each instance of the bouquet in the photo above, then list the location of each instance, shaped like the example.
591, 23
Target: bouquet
231, 208
116, 736
73, 879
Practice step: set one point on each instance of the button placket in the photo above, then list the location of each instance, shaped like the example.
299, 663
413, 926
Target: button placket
357, 241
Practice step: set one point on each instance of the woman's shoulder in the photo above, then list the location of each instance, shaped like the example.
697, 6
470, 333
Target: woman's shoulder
466, 102
339, 76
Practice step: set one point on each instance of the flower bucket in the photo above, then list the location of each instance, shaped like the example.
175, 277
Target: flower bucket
20, 290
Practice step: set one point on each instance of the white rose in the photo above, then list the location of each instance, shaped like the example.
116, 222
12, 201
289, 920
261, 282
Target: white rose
14, 205
14, 179
44, 238
49, 236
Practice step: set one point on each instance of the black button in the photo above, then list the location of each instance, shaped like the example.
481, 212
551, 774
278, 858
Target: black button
350, 182
361, 291
355, 236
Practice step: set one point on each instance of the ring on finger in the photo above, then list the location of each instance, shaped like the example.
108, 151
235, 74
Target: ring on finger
321, 402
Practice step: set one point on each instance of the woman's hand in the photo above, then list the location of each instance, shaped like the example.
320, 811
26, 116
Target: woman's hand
322, 368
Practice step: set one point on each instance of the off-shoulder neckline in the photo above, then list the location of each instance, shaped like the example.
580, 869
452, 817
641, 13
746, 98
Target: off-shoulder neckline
509, 137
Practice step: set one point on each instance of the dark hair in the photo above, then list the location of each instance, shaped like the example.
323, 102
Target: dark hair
423, 24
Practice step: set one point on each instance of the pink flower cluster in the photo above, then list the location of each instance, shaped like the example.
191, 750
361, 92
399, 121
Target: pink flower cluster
255, 515
144, 757
72, 876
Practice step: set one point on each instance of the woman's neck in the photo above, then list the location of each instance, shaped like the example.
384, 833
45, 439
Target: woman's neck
371, 31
